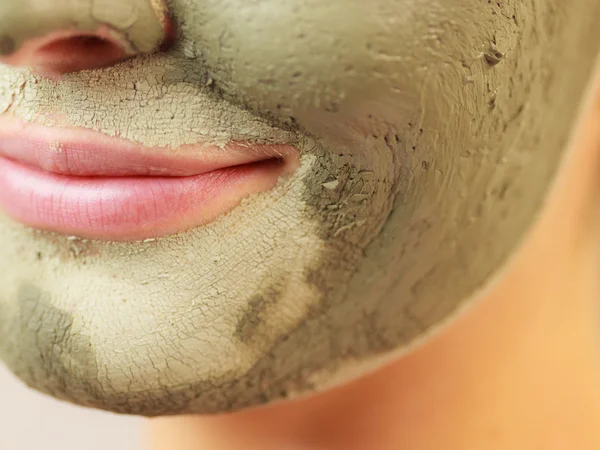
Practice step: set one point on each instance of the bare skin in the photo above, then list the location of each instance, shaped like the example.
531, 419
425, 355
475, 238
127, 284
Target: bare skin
519, 371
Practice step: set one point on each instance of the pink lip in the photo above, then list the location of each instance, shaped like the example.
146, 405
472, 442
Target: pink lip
83, 183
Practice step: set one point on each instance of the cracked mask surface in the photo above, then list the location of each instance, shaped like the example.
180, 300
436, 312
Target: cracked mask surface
429, 132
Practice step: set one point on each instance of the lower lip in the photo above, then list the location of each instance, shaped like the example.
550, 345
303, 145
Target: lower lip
128, 208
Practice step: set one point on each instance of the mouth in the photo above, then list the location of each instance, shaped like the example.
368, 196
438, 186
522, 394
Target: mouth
86, 184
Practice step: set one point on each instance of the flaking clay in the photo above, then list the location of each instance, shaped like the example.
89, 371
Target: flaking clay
429, 137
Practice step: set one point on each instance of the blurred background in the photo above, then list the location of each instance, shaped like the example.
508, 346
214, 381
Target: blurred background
32, 421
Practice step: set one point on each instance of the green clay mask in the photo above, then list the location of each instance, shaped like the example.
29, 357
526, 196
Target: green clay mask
429, 136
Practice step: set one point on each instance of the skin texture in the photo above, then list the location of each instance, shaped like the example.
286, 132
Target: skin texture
429, 136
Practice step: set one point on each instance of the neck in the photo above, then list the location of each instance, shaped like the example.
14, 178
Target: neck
532, 384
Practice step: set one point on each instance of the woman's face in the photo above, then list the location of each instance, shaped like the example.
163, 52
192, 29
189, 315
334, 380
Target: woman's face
427, 136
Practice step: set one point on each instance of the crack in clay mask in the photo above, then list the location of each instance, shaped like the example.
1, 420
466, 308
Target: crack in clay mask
429, 135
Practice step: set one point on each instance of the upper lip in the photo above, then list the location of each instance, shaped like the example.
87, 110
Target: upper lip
84, 153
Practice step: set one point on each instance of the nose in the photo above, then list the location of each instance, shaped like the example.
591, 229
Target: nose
55, 37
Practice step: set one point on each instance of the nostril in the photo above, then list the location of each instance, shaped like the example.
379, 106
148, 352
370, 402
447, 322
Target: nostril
76, 53
64, 52
79, 44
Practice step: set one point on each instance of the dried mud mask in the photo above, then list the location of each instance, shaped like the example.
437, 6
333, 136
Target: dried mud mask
429, 137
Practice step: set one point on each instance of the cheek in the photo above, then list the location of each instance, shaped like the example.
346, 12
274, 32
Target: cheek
348, 74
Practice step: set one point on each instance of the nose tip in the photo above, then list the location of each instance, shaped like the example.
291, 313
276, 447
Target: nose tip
46, 40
